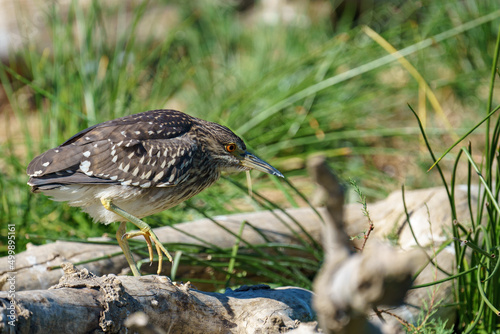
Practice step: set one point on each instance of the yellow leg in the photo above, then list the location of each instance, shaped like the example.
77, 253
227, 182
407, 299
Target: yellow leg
145, 230
125, 248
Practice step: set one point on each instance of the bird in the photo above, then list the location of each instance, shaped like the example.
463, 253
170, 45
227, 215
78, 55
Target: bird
131, 167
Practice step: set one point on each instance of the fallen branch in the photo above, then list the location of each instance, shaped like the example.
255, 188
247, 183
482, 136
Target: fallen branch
351, 285
83, 303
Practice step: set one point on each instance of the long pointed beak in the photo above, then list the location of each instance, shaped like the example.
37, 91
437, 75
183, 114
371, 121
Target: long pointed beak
251, 161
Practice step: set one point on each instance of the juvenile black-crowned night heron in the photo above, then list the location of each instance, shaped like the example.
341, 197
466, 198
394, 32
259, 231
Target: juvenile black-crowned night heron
135, 166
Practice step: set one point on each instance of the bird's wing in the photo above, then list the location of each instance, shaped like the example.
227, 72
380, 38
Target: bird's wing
147, 149
150, 163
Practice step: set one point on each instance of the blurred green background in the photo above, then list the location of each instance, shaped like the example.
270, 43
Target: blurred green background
293, 78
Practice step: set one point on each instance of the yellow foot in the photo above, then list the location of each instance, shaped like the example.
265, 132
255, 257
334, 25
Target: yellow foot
145, 231
148, 234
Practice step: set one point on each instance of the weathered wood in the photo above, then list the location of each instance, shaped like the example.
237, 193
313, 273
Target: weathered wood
350, 285
83, 303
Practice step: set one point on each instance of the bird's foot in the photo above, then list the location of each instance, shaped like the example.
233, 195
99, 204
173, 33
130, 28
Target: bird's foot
148, 234
145, 231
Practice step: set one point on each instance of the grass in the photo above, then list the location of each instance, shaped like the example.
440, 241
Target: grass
289, 89
477, 279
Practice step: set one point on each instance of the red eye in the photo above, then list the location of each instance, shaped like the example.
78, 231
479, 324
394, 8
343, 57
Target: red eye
230, 147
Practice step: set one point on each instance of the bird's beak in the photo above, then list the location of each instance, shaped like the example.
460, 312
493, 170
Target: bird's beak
251, 161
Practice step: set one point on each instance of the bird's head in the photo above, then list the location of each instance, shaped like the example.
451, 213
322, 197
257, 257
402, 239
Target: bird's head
231, 154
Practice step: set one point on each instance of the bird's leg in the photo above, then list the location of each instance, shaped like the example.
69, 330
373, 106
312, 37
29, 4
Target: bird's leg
145, 230
125, 248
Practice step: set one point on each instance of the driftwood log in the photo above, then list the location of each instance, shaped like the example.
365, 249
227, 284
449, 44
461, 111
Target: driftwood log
84, 303
350, 285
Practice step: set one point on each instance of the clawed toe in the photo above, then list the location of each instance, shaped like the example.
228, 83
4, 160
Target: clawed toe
148, 235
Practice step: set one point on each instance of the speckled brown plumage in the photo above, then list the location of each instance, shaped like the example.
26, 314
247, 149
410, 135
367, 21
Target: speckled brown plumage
143, 164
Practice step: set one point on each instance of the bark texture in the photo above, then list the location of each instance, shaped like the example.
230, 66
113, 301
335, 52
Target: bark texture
83, 303
350, 285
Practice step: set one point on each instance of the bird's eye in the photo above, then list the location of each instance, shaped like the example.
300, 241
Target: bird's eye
231, 147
